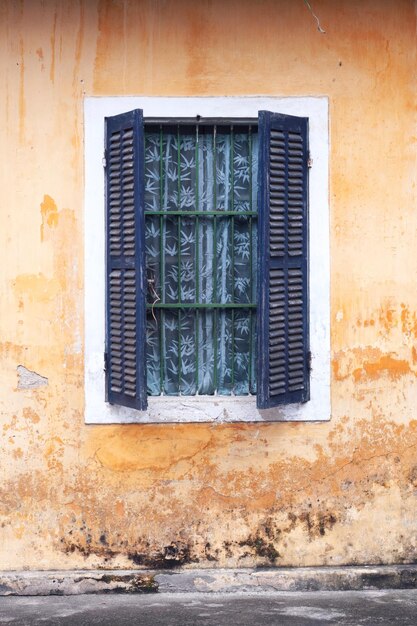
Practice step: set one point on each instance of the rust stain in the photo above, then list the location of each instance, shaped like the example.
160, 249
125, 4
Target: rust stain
50, 215
408, 321
404, 317
109, 55
369, 363
79, 42
77, 83
119, 508
11, 425
31, 485
11, 350
370, 322
385, 365
383, 322
30, 414
53, 38
51, 446
22, 100
387, 318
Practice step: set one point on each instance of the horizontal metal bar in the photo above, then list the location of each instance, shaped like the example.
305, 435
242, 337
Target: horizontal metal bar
203, 213
200, 305
198, 119
204, 395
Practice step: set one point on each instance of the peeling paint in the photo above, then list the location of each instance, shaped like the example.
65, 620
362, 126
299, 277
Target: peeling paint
28, 379
386, 364
370, 363
49, 212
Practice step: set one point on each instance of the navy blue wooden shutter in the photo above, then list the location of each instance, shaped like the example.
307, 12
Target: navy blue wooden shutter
283, 311
125, 255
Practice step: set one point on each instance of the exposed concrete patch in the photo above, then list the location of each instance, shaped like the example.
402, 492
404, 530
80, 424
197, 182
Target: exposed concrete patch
291, 579
210, 580
75, 583
26, 379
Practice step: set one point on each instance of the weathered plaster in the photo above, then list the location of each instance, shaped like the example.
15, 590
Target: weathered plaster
209, 495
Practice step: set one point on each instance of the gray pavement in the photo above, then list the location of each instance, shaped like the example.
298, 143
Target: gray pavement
345, 608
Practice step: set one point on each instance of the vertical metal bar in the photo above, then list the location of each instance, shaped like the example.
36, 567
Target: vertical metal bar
197, 319
179, 208
161, 262
232, 185
197, 261
215, 258
179, 257
250, 260
179, 352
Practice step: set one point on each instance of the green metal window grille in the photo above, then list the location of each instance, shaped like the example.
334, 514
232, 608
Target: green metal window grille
201, 250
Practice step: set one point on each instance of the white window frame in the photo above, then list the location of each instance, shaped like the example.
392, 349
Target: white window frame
174, 409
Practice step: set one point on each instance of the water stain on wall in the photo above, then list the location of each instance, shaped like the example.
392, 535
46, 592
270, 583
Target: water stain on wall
49, 213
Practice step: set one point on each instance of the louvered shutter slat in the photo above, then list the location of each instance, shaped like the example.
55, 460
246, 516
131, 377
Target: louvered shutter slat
283, 334
125, 324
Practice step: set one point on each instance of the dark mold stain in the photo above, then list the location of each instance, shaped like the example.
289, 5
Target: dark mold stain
89, 548
209, 556
174, 555
402, 579
126, 583
227, 548
316, 524
412, 476
171, 556
135, 584
261, 548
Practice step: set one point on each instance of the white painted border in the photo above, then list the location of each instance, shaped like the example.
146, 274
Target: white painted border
205, 409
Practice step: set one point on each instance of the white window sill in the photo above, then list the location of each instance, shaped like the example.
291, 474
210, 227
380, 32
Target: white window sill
198, 409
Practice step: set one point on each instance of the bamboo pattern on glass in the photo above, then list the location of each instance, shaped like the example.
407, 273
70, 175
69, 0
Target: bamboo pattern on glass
197, 253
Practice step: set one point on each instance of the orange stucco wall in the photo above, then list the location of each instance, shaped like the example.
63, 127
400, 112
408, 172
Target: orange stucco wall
217, 495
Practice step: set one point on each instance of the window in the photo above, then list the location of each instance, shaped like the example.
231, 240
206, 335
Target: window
200, 208
183, 307
173, 192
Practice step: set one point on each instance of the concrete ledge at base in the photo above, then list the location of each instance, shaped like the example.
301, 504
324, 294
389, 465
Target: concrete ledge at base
344, 578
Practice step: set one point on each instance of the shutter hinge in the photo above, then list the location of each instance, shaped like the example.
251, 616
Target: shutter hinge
105, 362
104, 160
309, 359
309, 161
